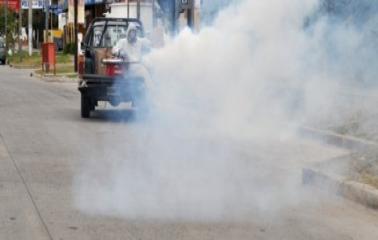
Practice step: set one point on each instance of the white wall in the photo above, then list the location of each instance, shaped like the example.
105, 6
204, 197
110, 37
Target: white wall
119, 10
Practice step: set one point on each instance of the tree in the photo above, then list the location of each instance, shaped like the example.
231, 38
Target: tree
12, 33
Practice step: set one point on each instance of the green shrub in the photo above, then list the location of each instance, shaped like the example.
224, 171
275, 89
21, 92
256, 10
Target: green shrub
70, 48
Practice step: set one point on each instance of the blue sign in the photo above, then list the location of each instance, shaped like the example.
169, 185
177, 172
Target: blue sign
36, 4
93, 2
56, 9
89, 2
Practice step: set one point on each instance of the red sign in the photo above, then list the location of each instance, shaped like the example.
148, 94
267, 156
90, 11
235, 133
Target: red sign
12, 4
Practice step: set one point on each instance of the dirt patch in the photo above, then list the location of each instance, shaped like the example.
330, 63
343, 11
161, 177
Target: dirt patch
364, 167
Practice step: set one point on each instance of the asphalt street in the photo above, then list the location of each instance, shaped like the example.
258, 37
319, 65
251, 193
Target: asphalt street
44, 145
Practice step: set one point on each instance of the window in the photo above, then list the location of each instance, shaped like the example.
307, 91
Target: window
113, 34
107, 34
96, 35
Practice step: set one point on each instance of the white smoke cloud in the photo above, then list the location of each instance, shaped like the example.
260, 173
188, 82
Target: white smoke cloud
243, 84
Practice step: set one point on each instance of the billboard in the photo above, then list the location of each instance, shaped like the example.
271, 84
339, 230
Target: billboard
12, 4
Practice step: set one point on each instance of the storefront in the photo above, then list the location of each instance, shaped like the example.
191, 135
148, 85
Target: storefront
93, 9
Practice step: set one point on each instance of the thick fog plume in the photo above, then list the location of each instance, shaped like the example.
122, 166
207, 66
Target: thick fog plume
219, 98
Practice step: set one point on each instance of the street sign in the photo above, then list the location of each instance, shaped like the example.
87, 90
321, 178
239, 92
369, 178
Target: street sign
37, 4
56, 9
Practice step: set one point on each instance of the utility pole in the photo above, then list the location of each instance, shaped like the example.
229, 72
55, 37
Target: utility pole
5, 13
174, 16
138, 9
190, 16
154, 13
30, 27
46, 21
20, 32
76, 32
128, 9
6, 23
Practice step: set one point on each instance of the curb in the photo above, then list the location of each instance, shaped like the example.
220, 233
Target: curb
58, 79
355, 191
352, 190
30, 67
338, 140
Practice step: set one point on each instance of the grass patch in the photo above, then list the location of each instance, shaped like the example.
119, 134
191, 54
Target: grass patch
369, 179
73, 76
62, 58
65, 68
23, 59
364, 167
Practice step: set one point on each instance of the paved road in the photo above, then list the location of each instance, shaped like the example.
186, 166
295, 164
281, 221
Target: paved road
44, 145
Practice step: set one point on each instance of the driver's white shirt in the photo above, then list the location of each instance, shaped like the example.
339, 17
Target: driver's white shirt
132, 51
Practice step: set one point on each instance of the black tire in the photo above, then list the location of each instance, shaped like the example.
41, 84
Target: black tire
85, 106
93, 104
